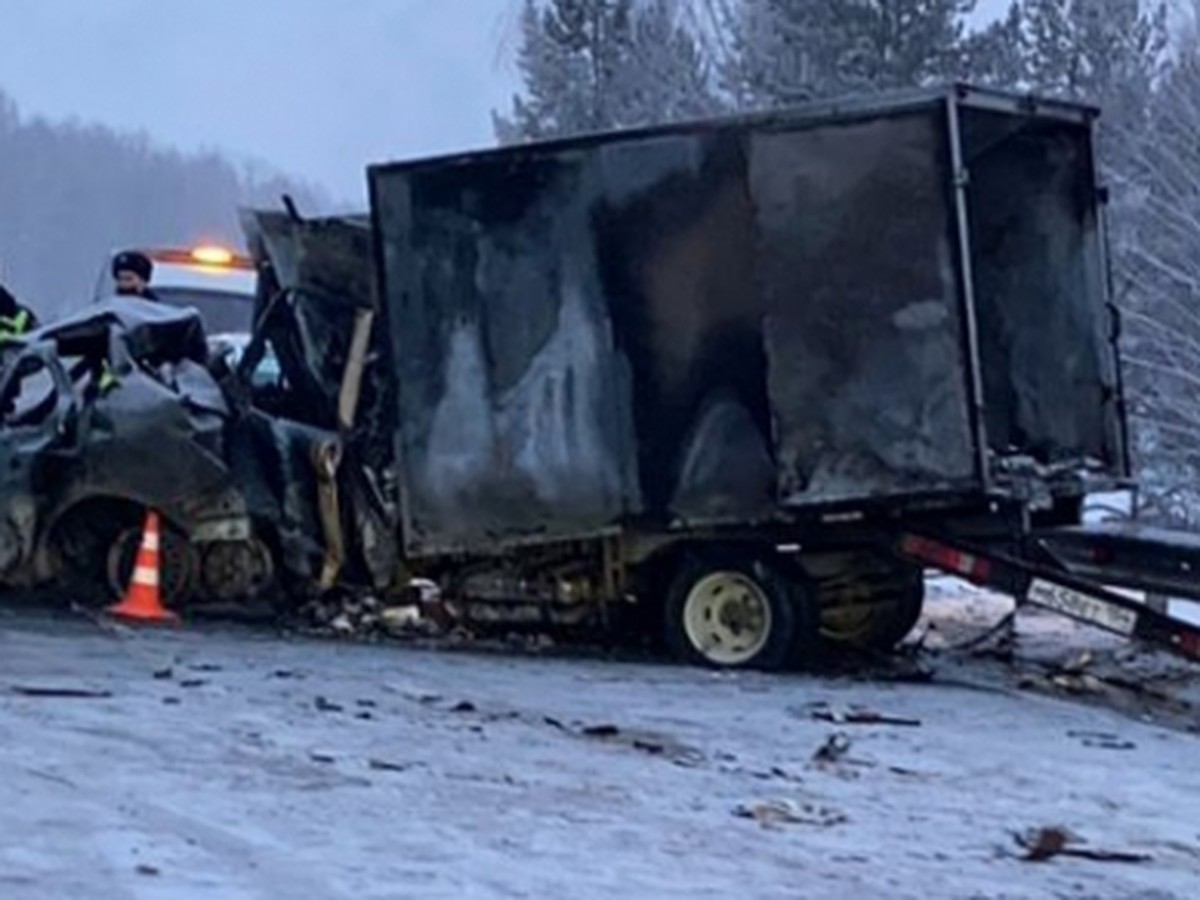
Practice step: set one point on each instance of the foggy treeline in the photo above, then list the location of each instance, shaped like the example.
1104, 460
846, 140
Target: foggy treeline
72, 193
595, 64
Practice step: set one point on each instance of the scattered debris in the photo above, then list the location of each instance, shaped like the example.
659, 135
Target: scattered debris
1079, 664
365, 715
171, 701
773, 774
773, 813
164, 674
205, 667
284, 673
193, 682
463, 706
1043, 844
836, 746
1102, 739
1081, 683
52, 777
67, 693
822, 712
369, 704
324, 758
324, 705
913, 672
384, 765
148, 870
650, 743
400, 620
600, 731
346, 614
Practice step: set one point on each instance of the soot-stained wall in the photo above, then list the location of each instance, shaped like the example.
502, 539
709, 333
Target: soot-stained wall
690, 326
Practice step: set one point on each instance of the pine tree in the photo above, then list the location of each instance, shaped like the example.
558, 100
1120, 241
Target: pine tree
588, 65
789, 50
665, 76
997, 55
897, 43
1158, 269
1095, 50
566, 60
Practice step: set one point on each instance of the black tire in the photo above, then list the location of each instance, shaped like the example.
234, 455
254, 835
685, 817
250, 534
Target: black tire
80, 541
778, 612
894, 613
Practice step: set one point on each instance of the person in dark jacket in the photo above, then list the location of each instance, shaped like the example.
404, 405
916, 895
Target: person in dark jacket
131, 271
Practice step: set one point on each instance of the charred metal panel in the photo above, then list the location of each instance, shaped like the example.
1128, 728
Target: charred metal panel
863, 322
514, 407
319, 275
676, 238
1049, 367
329, 258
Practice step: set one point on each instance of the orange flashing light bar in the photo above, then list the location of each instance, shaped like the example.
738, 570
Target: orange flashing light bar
210, 256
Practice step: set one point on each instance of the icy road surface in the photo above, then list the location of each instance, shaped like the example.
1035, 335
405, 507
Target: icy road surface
233, 764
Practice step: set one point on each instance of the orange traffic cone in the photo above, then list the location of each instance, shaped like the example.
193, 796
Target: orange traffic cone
143, 598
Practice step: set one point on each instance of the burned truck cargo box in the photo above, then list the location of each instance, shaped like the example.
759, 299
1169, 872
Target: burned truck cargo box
744, 320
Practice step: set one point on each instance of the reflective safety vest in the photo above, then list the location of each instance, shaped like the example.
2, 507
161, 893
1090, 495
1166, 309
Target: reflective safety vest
14, 326
108, 378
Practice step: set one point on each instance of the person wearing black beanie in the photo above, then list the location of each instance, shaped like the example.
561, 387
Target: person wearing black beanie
132, 270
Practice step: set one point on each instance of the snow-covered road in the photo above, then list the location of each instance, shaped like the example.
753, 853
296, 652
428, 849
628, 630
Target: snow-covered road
258, 767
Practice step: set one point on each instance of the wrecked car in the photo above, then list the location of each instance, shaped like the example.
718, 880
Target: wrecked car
114, 410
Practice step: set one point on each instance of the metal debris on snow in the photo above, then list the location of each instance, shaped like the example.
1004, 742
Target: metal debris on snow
69, 693
774, 813
1042, 844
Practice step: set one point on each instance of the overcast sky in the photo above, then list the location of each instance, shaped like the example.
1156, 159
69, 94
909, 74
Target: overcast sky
316, 88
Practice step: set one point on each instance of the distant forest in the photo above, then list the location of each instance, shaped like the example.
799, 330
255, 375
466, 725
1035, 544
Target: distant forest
70, 193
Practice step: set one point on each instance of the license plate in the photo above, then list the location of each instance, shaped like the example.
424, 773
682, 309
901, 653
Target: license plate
1080, 606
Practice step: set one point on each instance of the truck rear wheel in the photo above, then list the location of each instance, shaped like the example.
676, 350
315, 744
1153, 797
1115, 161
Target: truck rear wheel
878, 622
736, 610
